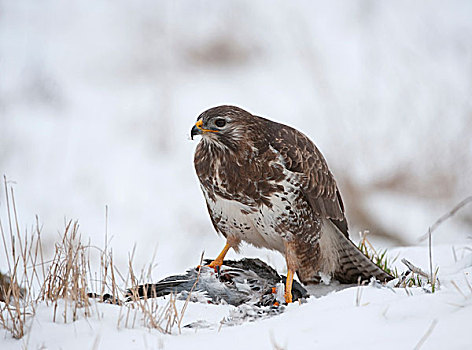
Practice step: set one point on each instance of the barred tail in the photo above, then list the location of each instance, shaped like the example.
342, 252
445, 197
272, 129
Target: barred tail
353, 264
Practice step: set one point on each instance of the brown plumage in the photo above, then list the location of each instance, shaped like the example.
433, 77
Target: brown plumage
267, 184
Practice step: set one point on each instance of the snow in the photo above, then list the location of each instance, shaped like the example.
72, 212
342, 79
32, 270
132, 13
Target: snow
367, 317
97, 100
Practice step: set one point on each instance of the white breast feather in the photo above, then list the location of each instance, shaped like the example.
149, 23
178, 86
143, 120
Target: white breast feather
256, 227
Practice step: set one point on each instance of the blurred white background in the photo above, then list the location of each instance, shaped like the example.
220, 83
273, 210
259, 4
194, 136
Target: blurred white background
97, 99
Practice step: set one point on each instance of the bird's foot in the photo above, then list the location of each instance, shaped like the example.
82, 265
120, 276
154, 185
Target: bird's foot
215, 265
280, 295
288, 297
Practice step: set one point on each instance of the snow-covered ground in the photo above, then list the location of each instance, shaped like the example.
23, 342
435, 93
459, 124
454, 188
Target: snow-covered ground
367, 317
97, 100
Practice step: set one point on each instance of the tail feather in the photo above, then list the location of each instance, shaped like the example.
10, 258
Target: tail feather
353, 264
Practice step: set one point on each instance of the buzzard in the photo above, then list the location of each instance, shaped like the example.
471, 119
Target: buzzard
267, 184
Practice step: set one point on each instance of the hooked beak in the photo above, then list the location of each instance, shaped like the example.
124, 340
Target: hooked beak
198, 130
195, 131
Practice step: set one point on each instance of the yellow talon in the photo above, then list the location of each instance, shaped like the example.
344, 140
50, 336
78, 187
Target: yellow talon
219, 260
215, 263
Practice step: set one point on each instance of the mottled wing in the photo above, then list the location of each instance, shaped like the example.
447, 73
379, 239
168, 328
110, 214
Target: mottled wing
305, 161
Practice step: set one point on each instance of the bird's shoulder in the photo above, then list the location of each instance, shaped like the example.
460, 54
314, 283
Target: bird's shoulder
304, 161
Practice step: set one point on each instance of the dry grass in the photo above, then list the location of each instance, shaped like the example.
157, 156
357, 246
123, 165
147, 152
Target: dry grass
66, 282
22, 255
160, 318
167, 317
413, 277
66, 278
380, 258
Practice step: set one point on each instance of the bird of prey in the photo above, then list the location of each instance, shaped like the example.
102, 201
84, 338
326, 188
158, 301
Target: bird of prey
238, 282
267, 184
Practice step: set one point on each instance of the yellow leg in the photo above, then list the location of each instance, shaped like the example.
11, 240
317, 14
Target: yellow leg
219, 260
292, 266
288, 286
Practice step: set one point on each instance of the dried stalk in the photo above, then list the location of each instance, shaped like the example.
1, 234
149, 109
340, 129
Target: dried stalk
446, 216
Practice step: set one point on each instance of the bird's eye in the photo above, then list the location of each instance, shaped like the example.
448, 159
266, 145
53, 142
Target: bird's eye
220, 122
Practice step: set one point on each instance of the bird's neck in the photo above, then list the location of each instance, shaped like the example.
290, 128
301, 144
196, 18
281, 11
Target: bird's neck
213, 159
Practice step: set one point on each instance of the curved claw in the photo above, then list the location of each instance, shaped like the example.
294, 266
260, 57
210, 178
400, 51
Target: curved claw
216, 263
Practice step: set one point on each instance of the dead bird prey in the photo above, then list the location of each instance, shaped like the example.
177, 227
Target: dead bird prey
267, 184
245, 281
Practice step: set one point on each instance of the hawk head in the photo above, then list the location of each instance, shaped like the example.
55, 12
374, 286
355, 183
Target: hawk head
222, 125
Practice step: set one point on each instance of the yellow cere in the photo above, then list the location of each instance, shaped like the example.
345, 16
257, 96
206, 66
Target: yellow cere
199, 123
